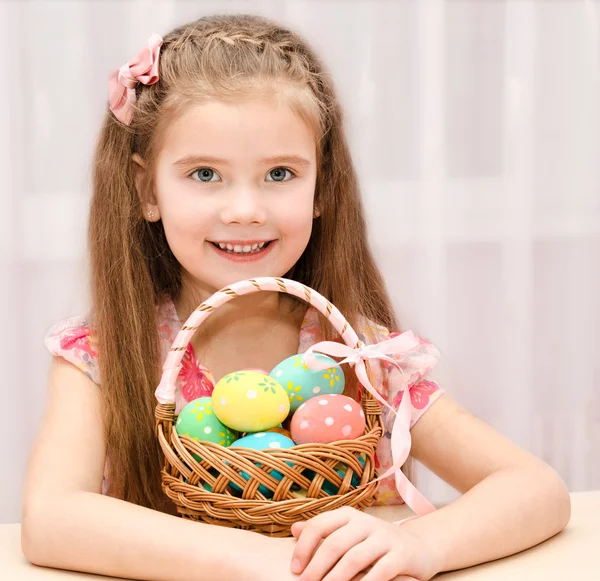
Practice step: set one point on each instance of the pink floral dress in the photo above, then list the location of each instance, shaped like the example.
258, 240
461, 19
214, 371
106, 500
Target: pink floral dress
73, 340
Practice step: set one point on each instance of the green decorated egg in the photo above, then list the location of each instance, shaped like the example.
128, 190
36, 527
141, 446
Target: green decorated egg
199, 421
302, 383
250, 401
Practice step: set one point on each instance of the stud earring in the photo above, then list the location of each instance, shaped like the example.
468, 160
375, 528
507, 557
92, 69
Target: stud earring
151, 215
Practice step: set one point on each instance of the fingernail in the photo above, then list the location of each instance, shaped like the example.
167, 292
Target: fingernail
296, 566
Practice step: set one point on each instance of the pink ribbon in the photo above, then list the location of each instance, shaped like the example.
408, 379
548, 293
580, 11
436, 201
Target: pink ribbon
143, 68
400, 437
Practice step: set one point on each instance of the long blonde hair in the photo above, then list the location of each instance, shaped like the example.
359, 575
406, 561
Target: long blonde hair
132, 267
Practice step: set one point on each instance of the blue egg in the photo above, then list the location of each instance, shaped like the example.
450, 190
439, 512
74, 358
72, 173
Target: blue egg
301, 383
263, 441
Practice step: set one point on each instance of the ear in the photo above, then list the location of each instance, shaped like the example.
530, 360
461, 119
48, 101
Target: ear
150, 209
316, 212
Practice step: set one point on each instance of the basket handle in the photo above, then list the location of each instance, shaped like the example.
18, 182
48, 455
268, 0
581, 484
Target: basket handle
165, 392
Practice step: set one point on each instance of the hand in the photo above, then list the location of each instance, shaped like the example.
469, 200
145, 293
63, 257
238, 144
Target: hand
340, 545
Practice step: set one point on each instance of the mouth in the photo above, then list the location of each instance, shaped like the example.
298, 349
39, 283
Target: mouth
242, 248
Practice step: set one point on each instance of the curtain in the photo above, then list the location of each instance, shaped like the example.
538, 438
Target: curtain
474, 126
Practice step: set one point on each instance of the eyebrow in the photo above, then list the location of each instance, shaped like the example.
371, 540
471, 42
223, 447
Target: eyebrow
189, 160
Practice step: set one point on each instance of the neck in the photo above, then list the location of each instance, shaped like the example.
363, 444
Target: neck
252, 309
261, 327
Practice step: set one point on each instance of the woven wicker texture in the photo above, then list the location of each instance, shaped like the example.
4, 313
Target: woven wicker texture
197, 475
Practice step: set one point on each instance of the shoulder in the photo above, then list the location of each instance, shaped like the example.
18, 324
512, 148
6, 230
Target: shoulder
414, 361
368, 331
412, 368
73, 339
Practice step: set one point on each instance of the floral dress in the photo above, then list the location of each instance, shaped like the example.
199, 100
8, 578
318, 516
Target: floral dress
73, 340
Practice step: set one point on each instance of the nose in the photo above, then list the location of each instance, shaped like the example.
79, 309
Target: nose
244, 206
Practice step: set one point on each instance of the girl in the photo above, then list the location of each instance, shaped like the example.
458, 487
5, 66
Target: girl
223, 157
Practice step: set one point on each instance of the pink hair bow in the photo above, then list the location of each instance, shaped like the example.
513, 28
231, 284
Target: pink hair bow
400, 345
143, 68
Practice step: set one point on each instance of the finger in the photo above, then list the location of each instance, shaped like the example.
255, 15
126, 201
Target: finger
355, 559
297, 528
313, 532
332, 549
386, 569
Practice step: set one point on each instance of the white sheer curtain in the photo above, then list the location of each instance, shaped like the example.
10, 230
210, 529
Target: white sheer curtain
474, 126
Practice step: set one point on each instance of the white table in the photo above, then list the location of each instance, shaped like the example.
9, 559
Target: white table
573, 554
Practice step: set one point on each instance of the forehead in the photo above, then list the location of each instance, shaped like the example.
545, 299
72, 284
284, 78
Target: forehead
239, 130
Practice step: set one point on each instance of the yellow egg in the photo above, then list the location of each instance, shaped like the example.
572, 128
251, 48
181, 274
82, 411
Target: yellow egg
250, 401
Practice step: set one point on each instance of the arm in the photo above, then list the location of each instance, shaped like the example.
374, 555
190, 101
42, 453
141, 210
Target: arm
68, 524
511, 500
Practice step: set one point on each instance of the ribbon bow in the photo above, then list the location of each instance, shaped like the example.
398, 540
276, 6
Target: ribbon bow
401, 438
143, 68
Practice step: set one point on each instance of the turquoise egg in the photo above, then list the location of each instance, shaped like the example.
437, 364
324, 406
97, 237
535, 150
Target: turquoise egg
301, 383
263, 441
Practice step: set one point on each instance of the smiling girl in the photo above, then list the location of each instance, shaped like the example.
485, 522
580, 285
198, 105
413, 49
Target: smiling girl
223, 157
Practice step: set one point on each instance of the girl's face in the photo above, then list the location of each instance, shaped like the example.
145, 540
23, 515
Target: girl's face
235, 186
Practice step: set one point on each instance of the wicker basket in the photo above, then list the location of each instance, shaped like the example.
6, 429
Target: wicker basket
200, 489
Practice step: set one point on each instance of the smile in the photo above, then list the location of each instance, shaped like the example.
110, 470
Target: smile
239, 248
243, 250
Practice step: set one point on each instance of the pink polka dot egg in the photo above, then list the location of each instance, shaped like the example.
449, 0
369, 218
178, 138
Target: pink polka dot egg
327, 419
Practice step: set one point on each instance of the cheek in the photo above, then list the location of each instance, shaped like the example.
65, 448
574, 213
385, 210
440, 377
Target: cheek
182, 215
183, 225
296, 212
296, 228
186, 230
296, 219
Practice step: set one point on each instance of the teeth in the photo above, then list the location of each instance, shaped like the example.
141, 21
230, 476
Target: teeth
239, 249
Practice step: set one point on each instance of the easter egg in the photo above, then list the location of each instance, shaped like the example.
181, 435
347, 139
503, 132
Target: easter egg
249, 401
281, 430
198, 421
303, 383
263, 441
326, 419
278, 428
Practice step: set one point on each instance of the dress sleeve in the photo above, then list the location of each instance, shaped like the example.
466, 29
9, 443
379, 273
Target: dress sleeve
72, 340
415, 365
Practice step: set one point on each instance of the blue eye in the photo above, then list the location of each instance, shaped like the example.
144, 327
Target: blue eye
279, 175
205, 174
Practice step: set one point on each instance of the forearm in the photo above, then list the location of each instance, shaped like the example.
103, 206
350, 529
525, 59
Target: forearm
511, 510
97, 534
